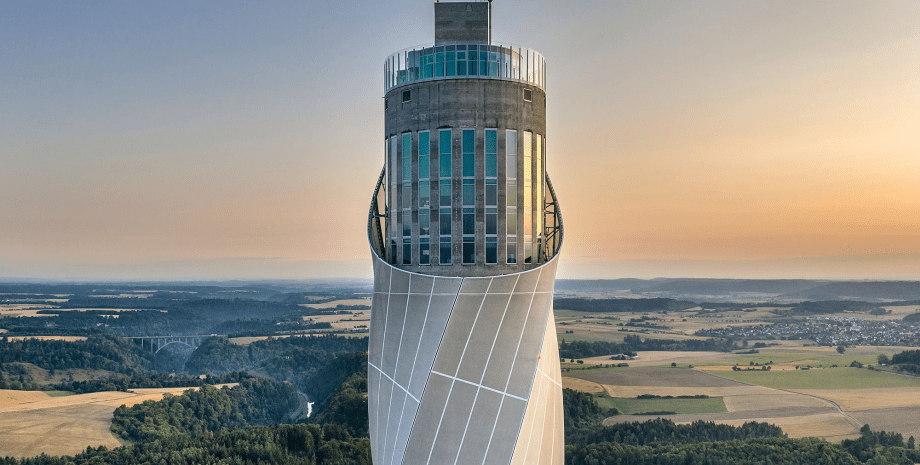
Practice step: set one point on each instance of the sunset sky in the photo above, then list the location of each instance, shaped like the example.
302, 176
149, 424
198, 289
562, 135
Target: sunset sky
215, 139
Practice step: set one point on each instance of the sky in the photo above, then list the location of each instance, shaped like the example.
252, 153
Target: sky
242, 140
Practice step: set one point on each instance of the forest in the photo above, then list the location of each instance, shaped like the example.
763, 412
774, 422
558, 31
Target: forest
633, 343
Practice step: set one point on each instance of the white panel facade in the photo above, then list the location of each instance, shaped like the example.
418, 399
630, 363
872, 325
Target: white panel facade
464, 370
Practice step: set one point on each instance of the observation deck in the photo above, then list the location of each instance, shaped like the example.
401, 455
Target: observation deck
464, 61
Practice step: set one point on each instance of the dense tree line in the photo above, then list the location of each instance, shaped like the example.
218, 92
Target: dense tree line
315, 365
254, 402
663, 431
347, 407
761, 451
633, 343
97, 352
909, 361
155, 380
279, 444
621, 305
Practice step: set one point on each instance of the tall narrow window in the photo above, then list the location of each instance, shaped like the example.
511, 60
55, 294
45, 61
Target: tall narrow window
468, 194
511, 196
424, 199
490, 170
424, 251
407, 197
445, 169
538, 198
528, 197
393, 173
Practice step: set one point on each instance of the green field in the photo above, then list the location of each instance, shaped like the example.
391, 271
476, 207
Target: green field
827, 378
678, 406
828, 357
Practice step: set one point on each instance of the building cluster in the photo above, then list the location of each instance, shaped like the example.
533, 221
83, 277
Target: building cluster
828, 331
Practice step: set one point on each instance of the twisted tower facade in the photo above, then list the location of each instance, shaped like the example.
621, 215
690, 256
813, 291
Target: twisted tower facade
465, 230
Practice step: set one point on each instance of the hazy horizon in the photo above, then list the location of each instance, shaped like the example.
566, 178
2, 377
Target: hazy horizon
215, 140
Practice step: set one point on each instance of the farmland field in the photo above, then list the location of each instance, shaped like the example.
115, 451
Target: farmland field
33, 422
680, 406
826, 378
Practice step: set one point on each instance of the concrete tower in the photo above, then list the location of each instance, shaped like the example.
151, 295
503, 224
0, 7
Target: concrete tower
465, 230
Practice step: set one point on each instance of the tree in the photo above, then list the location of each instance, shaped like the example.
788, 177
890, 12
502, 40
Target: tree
841, 349
883, 360
910, 443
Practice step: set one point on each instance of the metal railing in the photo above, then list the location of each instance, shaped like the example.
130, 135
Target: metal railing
464, 61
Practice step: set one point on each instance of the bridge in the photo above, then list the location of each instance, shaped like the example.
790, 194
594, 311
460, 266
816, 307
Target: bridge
157, 343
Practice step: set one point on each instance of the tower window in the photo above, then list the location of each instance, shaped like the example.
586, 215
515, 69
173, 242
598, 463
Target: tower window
407, 96
528, 95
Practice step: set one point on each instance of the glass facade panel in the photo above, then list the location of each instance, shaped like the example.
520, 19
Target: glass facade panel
469, 221
491, 193
444, 252
438, 62
407, 194
491, 250
469, 192
528, 197
445, 152
424, 149
407, 157
445, 197
512, 249
469, 153
538, 194
424, 222
424, 194
491, 221
511, 222
469, 251
424, 251
491, 157
511, 154
444, 222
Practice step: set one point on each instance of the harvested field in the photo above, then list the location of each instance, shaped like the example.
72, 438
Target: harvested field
581, 385
903, 420
665, 377
820, 422
866, 399
827, 378
664, 358
679, 406
334, 303
344, 321
32, 422
64, 430
9, 397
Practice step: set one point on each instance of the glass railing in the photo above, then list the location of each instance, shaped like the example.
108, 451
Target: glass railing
461, 61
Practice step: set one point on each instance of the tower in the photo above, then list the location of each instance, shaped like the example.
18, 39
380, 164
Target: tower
465, 230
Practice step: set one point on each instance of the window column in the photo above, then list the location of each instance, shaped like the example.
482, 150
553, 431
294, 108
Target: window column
491, 195
393, 173
538, 203
407, 198
468, 195
445, 153
424, 199
528, 197
511, 196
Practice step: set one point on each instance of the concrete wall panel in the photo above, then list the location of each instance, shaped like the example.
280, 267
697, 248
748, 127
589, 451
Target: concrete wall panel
479, 430
462, 318
469, 361
453, 424
479, 349
396, 314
